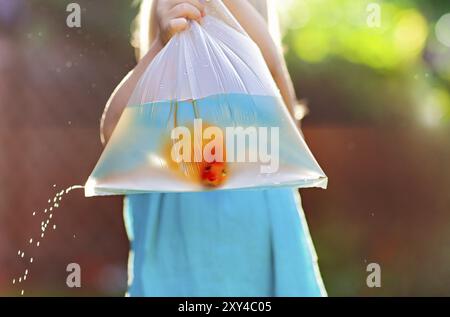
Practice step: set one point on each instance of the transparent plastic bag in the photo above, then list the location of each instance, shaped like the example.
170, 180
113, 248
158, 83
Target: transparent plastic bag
205, 115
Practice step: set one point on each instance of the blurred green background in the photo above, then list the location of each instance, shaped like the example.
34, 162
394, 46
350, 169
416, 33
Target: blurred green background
378, 123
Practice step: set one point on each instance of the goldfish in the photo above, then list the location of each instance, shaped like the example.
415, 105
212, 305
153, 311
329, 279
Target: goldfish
213, 174
209, 174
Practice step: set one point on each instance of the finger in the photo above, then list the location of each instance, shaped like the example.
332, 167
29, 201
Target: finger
185, 10
177, 25
196, 3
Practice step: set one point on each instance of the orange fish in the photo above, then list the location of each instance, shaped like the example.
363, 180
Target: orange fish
213, 174
209, 174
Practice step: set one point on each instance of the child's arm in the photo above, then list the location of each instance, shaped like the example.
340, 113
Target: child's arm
168, 17
171, 17
119, 98
256, 27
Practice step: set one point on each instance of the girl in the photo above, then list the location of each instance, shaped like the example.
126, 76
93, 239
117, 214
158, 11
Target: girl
217, 243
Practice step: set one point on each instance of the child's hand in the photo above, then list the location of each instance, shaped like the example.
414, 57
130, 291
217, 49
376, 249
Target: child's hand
173, 16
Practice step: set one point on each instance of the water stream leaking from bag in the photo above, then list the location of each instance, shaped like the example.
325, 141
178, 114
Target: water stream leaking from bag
47, 214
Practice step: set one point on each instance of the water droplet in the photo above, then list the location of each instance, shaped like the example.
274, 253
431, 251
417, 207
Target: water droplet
46, 222
14, 281
21, 293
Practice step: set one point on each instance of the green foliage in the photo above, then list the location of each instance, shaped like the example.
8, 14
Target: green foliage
325, 35
346, 28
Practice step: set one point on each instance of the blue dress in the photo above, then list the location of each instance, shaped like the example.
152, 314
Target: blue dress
220, 243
